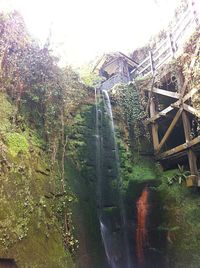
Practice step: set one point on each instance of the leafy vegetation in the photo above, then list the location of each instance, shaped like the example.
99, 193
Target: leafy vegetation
128, 108
90, 78
39, 99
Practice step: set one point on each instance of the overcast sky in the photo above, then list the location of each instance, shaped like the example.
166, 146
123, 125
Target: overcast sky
84, 29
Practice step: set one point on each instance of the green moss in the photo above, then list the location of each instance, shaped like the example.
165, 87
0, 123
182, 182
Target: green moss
134, 167
181, 221
80, 170
17, 143
30, 231
6, 111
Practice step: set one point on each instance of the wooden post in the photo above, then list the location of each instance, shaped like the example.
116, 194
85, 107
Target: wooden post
191, 154
169, 130
151, 62
171, 44
154, 125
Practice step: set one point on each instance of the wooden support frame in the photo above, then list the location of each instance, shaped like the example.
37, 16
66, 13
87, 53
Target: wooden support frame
172, 106
178, 149
191, 110
191, 155
166, 93
169, 130
184, 109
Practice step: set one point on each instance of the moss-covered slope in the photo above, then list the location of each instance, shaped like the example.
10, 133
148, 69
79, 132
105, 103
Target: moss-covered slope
30, 232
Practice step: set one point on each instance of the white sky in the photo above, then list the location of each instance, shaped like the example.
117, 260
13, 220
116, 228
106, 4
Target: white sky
84, 29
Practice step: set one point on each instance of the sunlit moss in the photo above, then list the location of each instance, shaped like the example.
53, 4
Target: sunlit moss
17, 143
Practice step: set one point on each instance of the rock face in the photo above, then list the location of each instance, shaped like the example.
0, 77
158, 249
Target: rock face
173, 208
30, 232
99, 226
81, 175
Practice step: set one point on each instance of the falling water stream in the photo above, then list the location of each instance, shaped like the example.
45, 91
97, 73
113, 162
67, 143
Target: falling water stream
127, 243
106, 233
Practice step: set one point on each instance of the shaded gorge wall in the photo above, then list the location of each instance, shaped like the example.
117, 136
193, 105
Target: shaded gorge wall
172, 220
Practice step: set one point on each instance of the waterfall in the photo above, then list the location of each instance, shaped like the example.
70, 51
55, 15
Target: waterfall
141, 231
117, 258
105, 233
98, 152
108, 245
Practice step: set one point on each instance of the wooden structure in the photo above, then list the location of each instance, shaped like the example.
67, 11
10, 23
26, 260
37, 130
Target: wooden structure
172, 45
115, 68
171, 128
177, 115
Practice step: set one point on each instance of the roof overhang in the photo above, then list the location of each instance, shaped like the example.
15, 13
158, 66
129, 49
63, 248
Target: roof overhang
111, 57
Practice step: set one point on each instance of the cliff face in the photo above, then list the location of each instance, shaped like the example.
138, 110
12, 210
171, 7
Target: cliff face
30, 232
173, 216
81, 176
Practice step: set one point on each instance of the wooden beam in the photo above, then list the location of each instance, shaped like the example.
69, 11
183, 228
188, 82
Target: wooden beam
192, 160
179, 148
169, 130
190, 94
163, 92
191, 110
193, 163
186, 126
154, 127
171, 107
164, 112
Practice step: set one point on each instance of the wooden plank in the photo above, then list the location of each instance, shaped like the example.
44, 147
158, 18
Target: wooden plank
191, 110
163, 61
181, 31
179, 148
180, 22
169, 130
146, 59
144, 69
162, 44
163, 92
163, 51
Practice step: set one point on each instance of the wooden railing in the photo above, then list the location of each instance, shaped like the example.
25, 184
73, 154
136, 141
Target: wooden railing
115, 79
172, 45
